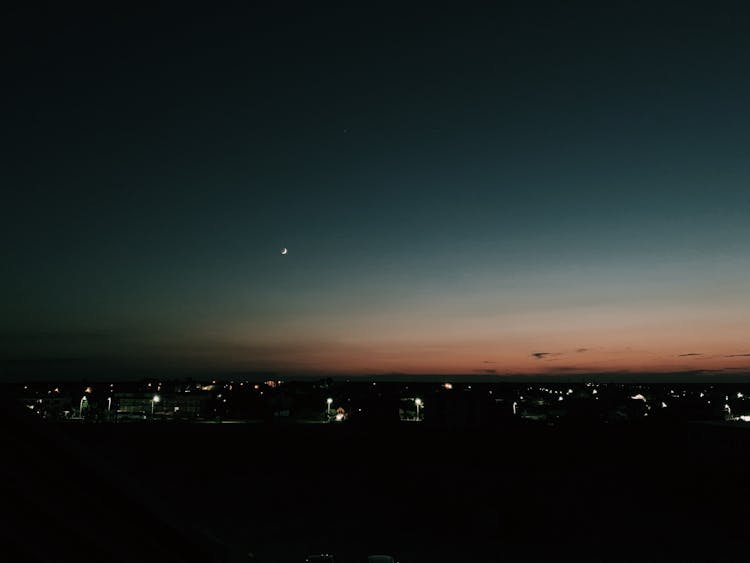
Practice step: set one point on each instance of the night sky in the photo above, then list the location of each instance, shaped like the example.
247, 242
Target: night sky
520, 188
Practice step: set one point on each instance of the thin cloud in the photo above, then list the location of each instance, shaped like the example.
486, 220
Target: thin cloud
738, 356
690, 354
487, 371
542, 355
581, 350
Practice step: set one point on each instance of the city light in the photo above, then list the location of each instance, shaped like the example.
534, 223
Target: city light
538, 402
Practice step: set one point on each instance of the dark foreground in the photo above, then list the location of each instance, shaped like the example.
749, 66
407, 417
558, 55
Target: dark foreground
214, 492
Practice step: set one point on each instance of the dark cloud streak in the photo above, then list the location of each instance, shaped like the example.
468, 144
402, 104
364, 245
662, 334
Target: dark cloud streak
542, 355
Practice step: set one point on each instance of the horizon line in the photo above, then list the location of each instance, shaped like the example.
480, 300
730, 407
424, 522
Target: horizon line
691, 376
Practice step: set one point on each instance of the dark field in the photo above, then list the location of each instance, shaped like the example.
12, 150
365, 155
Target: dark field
524, 493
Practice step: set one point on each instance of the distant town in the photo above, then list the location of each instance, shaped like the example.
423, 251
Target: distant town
440, 404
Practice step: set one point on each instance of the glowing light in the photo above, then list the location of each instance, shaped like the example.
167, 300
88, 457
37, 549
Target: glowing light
418, 403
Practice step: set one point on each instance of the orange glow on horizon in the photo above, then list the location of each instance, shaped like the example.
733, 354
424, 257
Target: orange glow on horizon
602, 339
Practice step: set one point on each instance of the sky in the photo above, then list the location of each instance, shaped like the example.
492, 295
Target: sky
487, 189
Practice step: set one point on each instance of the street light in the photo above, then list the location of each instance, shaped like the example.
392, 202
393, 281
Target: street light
155, 400
418, 403
329, 402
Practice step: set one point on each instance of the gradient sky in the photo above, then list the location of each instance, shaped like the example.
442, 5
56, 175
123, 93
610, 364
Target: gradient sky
517, 189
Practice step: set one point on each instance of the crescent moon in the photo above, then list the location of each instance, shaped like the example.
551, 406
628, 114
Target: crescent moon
284, 251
